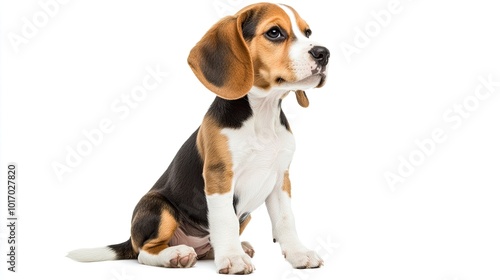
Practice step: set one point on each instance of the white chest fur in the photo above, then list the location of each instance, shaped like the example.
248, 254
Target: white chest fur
261, 150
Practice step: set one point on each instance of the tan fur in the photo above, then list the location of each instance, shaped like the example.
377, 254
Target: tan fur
214, 150
271, 61
287, 186
244, 224
302, 98
226, 32
301, 23
166, 230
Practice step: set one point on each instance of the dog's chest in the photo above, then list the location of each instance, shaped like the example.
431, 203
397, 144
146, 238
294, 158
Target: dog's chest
261, 154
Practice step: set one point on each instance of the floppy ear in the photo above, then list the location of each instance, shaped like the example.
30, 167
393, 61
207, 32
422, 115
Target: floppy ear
302, 98
221, 59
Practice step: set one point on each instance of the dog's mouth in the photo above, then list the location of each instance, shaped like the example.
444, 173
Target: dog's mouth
322, 80
309, 80
321, 71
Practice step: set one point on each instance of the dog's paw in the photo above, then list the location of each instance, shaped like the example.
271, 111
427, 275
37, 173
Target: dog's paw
248, 249
181, 256
303, 259
234, 264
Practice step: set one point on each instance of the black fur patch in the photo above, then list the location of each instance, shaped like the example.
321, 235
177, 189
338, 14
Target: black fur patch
235, 202
124, 250
249, 25
182, 186
214, 62
243, 217
283, 119
230, 113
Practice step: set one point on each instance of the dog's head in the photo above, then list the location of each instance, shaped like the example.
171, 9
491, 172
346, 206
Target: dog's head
264, 45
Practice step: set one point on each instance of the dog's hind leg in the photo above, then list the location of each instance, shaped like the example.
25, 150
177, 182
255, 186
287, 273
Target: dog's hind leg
153, 225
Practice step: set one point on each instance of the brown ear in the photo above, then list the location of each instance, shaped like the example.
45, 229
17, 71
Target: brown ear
221, 59
302, 98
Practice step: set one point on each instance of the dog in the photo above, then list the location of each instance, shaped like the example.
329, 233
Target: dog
239, 157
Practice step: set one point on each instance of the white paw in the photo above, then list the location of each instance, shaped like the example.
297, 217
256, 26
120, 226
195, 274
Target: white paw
303, 259
234, 264
178, 256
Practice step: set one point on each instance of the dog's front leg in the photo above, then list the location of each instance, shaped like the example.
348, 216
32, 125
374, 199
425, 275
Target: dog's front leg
230, 258
279, 207
224, 227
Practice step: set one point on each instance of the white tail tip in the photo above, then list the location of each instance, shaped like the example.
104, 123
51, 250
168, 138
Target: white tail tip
92, 254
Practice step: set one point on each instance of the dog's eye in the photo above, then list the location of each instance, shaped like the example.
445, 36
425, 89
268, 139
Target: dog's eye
308, 32
275, 34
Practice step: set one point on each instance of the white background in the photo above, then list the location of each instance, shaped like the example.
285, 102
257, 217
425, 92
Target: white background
442, 222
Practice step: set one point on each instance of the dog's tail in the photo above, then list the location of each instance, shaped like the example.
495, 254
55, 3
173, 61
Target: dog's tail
120, 251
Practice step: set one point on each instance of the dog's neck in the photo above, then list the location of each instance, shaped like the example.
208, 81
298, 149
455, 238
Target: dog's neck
266, 107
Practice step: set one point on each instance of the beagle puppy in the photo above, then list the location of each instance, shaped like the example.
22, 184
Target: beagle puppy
239, 157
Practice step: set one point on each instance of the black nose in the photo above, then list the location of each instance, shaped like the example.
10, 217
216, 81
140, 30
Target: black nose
320, 54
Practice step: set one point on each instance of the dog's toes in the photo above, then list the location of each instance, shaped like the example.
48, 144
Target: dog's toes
304, 259
234, 264
183, 261
187, 261
224, 271
181, 257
